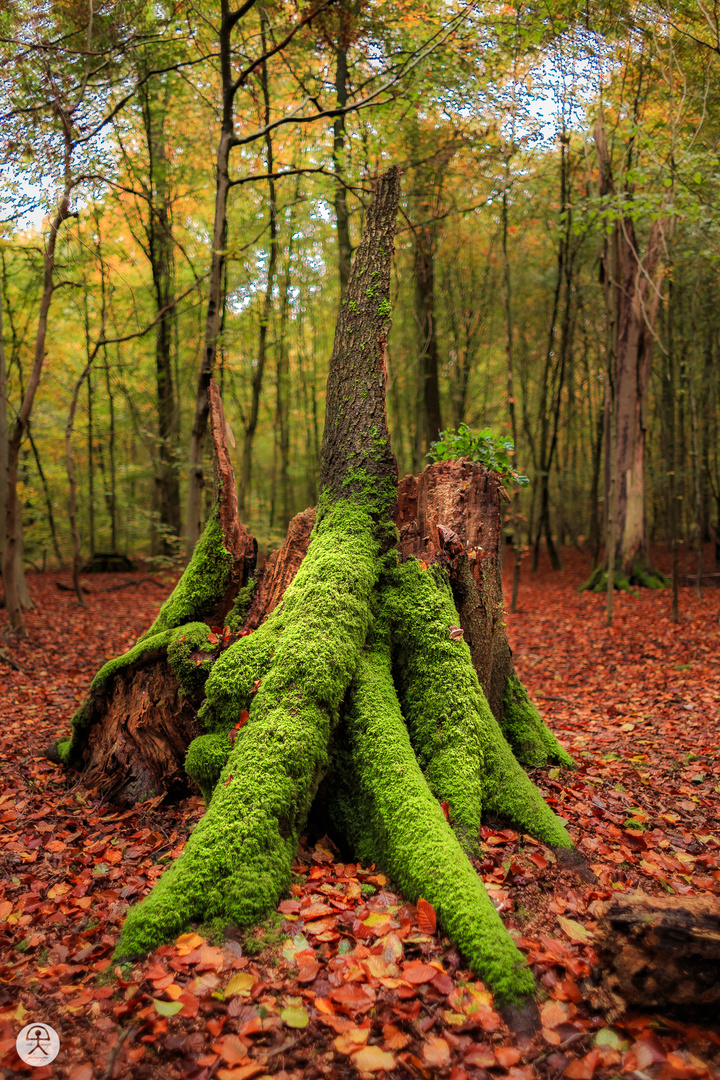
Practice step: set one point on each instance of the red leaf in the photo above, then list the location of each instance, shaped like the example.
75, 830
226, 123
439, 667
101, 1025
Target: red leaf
445, 807
426, 917
244, 717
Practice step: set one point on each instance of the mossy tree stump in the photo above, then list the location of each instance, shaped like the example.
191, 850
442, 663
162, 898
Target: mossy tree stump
365, 672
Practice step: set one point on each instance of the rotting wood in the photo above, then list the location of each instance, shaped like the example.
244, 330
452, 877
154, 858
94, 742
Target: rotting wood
661, 951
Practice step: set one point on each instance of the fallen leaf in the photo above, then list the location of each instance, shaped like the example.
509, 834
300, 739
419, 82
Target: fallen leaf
436, 1052
426, 918
373, 1059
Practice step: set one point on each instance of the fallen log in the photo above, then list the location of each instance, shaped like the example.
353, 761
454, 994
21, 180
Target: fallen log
661, 951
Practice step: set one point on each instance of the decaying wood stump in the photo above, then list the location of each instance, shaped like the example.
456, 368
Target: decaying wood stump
661, 951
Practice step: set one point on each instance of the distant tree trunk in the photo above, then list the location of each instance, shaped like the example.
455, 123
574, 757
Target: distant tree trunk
12, 522
46, 491
342, 214
154, 100
266, 309
428, 418
632, 294
282, 383
218, 256
20, 584
509, 361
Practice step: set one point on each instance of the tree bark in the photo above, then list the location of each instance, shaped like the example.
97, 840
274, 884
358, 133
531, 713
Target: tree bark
632, 296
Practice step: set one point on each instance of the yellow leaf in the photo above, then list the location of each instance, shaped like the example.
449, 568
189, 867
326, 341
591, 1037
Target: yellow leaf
242, 983
351, 1041
373, 1059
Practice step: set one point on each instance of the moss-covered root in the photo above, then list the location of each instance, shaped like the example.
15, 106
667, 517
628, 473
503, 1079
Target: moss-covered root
447, 713
237, 863
203, 584
205, 760
233, 680
386, 809
642, 575
446, 735
182, 646
530, 739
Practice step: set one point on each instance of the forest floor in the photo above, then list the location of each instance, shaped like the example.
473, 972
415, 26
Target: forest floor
351, 981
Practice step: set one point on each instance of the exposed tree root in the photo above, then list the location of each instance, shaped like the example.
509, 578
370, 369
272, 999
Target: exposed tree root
322, 649
237, 863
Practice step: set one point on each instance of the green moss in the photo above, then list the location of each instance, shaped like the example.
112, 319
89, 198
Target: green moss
186, 646
445, 733
459, 744
239, 611
229, 688
642, 575
237, 863
531, 740
63, 747
205, 760
384, 806
203, 585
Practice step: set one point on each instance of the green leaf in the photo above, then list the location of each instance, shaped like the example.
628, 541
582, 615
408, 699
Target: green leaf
607, 1037
295, 1016
575, 930
168, 1008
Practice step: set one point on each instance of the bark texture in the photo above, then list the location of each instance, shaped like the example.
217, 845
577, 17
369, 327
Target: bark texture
662, 951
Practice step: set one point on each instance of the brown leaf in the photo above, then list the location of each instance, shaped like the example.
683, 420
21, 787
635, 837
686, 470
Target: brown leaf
426, 917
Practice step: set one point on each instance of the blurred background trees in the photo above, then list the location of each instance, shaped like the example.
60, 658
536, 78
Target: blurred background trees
559, 225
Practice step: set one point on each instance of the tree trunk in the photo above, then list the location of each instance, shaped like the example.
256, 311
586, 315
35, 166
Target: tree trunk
428, 421
632, 293
19, 585
160, 249
340, 679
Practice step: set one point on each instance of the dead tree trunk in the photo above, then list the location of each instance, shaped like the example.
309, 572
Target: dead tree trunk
338, 677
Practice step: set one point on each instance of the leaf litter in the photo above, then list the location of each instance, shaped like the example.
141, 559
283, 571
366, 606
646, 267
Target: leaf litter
354, 981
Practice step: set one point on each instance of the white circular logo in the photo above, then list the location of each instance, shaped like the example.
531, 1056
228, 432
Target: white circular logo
38, 1044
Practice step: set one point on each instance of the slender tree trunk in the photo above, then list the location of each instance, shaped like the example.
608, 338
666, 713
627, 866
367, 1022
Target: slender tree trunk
632, 299
155, 102
342, 214
111, 496
282, 379
62, 212
48, 500
218, 255
266, 311
507, 309
429, 421
72, 485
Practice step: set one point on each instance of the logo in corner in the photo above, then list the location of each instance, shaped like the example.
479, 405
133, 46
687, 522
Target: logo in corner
38, 1044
